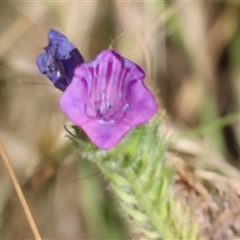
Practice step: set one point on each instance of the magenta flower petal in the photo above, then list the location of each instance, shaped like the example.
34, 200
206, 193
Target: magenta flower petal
105, 134
107, 97
74, 100
142, 103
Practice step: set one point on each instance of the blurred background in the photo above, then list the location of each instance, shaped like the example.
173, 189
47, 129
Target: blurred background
191, 54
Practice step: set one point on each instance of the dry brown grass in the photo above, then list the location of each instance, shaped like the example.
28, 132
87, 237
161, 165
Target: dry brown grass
189, 52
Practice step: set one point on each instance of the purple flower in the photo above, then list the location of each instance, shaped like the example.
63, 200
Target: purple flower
60, 60
107, 98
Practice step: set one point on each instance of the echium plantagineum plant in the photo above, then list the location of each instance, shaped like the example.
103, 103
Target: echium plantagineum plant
107, 98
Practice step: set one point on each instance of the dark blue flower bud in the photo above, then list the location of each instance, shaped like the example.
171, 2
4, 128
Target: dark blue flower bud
60, 59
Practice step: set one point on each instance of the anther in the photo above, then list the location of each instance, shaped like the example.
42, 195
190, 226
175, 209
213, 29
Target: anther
102, 95
125, 107
109, 106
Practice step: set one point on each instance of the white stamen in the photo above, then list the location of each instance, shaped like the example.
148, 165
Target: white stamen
102, 95
125, 107
101, 108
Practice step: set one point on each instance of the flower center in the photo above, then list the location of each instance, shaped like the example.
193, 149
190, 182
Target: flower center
107, 91
104, 109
